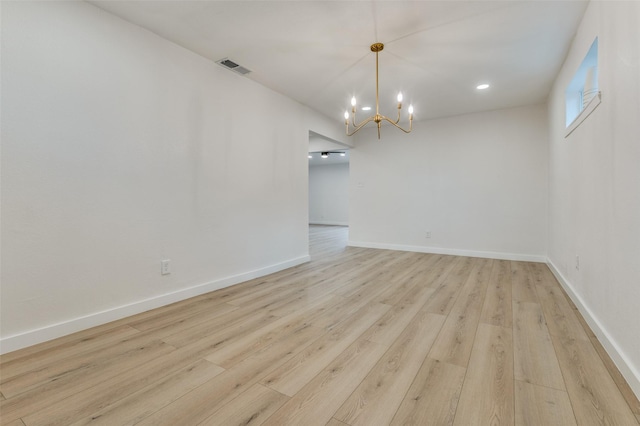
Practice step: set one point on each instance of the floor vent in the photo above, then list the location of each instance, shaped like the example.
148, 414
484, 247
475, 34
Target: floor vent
230, 65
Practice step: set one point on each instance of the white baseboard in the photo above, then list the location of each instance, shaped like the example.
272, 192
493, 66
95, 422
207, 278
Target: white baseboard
453, 252
53, 331
328, 222
619, 358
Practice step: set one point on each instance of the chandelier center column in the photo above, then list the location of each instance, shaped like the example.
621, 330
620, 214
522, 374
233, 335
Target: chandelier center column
377, 47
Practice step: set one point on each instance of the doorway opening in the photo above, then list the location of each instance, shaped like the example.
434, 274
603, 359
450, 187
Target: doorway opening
328, 193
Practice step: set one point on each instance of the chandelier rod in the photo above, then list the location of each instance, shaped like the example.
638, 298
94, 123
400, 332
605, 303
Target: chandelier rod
377, 97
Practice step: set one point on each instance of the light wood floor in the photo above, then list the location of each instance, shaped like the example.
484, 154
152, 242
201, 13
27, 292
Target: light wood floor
356, 337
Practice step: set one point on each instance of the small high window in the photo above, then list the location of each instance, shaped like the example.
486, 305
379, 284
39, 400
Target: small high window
582, 95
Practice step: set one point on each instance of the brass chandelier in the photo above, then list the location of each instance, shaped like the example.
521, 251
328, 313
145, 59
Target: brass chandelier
377, 118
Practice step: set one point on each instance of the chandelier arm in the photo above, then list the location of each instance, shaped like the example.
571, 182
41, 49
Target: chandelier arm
353, 121
360, 126
397, 119
399, 127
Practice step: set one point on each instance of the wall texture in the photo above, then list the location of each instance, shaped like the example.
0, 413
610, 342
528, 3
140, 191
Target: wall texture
120, 149
594, 185
329, 194
477, 182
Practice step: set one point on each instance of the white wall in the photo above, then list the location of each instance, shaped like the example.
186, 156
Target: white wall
329, 128
120, 149
594, 186
329, 194
477, 182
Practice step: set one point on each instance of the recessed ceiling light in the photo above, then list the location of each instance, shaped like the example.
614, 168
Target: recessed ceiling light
482, 86
366, 108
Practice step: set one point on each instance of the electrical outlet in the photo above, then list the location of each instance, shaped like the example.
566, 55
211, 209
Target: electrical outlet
577, 263
165, 267
427, 234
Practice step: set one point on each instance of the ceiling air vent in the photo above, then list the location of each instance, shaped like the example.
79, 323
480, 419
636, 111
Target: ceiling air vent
230, 65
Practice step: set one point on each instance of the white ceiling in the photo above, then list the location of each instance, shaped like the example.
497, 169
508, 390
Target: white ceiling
436, 52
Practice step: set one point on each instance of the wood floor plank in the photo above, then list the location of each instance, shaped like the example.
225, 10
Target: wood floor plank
61, 343
593, 393
116, 387
136, 406
300, 370
315, 403
561, 319
389, 327
335, 422
523, 287
535, 358
497, 302
377, 398
542, 275
487, 393
198, 311
539, 405
455, 340
78, 383
84, 364
45, 358
206, 301
416, 271
366, 276
449, 286
440, 270
302, 302
233, 325
236, 350
280, 282
199, 404
331, 315
252, 407
13, 423
281, 291
433, 396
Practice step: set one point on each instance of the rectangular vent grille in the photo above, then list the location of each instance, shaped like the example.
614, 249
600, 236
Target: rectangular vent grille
230, 65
